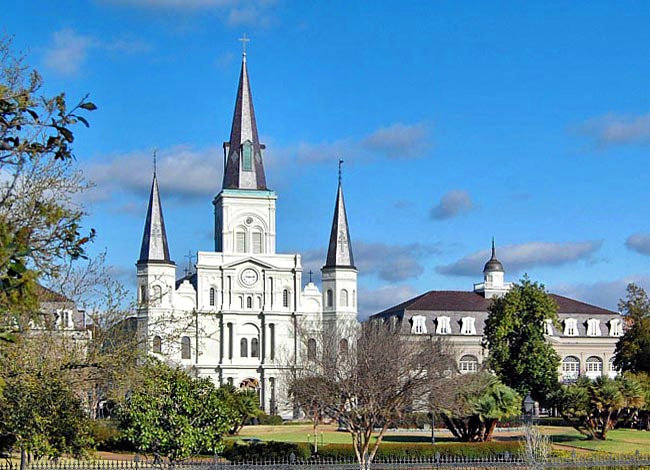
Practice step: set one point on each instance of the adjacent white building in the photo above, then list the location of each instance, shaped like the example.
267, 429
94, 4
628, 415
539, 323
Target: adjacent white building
236, 318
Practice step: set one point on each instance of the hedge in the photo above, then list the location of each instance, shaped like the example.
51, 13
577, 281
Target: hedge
270, 450
455, 449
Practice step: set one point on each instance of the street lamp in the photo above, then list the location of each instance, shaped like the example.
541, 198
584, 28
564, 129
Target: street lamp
529, 408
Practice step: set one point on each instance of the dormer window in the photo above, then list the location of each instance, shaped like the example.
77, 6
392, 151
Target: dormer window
443, 327
247, 156
548, 327
419, 325
570, 327
468, 327
593, 327
615, 327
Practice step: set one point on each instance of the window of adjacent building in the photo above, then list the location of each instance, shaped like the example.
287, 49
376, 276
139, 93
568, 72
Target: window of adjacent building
594, 364
443, 326
272, 341
330, 298
243, 348
186, 348
230, 381
467, 364
344, 298
468, 327
571, 366
212, 295
255, 348
311, 349
343, 347
157, 345
593, 327
548, 327
241, 242
419, 325
615, 327
570, 327
612, 367
247, 156
285, 298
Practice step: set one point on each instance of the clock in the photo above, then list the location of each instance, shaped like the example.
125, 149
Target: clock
249, 277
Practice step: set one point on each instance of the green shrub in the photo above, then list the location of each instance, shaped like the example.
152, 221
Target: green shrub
271, 450
455, 449
107, 436
270, 420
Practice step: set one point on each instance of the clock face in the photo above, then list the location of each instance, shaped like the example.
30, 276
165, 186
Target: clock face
249, 277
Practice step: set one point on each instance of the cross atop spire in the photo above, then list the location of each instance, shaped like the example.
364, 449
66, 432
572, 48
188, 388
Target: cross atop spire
494, 251
243, 40
340, 170
244, 168
154, 161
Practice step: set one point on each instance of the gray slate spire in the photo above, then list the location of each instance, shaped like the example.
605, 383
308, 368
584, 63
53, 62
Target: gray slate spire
154, 240
339, 253
244, 168
493, 263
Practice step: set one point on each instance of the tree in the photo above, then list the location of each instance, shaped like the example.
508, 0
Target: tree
40, 221
374, 382
170, 414
594, 407
244, 403
633, 348
514, 335
40, 413
474, 404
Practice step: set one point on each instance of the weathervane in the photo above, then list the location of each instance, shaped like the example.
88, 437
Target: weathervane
244, 40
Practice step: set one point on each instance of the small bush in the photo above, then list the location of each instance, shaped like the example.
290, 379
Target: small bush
108, 436
270, 420
271, 450
456, 449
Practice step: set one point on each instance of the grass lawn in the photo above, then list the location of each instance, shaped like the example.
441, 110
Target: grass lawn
619, 441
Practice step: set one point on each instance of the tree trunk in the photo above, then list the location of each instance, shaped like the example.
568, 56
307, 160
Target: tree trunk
23, 459
489, 430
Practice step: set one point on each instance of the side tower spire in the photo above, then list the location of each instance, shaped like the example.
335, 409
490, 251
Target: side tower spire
339, 252
339, 273
243, 167
154, 247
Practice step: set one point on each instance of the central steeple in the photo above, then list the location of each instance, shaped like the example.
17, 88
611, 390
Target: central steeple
243, 168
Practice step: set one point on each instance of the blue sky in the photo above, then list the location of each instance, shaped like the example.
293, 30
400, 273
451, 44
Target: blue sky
526, 121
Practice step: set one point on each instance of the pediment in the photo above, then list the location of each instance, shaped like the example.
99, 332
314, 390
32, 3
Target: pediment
249, 260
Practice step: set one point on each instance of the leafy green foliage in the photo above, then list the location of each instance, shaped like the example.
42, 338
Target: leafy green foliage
514, 334
633, 349
391, 450
594, 407
174, 415
476, 404
244, 403
267, 451
40, 415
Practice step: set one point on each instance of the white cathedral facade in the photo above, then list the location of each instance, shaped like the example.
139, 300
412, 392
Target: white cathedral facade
236, 318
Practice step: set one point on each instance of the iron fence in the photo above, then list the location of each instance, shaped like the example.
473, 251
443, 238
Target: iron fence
509, 462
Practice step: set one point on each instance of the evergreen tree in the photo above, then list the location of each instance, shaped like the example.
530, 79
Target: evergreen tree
514, 335
633, 349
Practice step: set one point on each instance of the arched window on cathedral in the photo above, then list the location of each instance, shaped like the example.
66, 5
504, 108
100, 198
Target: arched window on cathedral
311, 349
285, 298
343, 347
330, 298
249, 302
257, 242
157, 345
212, 295
255, 348
186, 348
344, 298
243, 348
240, 242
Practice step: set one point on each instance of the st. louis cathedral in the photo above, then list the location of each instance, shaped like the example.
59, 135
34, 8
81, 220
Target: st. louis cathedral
235, 318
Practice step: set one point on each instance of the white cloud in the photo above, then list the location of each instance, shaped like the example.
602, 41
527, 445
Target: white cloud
453, 203
516, 258
603, 293
639, 242
183, 173
615, 129
373, 301
396, 141
69, 50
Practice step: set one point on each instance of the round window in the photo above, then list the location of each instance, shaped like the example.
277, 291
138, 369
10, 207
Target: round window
249, 220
